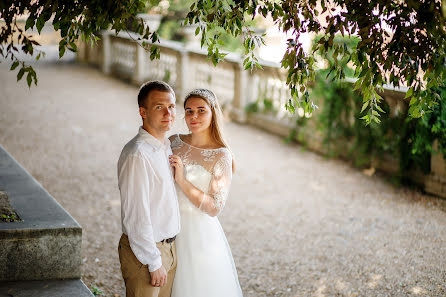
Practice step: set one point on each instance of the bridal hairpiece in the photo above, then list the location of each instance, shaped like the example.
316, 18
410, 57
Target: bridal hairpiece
204, 93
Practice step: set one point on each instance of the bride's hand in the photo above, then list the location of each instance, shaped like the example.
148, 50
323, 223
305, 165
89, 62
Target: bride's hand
176, 162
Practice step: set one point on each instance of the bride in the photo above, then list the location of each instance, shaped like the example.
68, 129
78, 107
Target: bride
203, 172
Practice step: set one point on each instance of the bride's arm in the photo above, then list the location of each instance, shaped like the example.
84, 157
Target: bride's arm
212, 202
198, 198
193, 193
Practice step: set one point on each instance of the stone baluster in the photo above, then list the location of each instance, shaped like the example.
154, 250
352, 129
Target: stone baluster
106, 52
240, 93
182, 83
140, 59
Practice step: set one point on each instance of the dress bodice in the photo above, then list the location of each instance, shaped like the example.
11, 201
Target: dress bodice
210, 170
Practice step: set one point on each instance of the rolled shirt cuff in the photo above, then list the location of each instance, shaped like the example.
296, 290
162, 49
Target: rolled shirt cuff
155, 265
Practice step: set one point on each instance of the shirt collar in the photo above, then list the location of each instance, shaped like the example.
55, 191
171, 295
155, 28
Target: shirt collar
150, 139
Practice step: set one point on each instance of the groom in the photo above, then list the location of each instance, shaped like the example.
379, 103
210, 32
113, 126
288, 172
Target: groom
149, 208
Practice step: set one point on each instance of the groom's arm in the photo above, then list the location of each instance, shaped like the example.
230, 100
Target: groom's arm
133, 179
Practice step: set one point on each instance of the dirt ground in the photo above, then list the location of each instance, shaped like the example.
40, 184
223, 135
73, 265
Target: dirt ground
298, 224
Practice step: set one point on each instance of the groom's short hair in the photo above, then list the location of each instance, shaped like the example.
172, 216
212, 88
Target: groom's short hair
149, 86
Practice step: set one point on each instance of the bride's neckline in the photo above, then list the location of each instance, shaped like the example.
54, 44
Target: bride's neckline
199, 148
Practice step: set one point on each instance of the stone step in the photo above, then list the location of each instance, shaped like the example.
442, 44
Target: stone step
46, 244
45, 288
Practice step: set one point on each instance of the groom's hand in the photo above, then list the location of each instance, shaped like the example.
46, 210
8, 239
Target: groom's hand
159, 277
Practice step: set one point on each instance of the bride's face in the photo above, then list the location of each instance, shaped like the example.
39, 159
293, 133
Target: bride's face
198, 114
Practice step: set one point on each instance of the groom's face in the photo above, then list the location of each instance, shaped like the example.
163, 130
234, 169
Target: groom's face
159, 111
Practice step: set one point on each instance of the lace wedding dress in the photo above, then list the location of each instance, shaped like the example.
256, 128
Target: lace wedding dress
205, 265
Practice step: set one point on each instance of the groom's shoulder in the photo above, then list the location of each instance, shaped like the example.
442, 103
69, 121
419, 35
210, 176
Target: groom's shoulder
133, 147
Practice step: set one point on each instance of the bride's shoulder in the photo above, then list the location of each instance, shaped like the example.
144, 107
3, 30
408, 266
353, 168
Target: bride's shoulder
223, 161
175, 140
224, 152
172, 137
181, 137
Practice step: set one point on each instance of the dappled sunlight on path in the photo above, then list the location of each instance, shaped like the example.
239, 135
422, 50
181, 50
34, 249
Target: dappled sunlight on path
298, 224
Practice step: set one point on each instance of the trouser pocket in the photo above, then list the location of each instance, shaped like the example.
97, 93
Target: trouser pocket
130, 265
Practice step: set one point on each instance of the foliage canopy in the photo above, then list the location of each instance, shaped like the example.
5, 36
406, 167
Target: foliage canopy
401, 42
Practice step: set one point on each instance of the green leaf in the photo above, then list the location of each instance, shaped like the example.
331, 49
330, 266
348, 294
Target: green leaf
239, 23
73, 46
61, 51
29, 79
14, 65
379, 108
203, 39
40, 23
363, 72
377, 120
20, 74
34, 75
154, 52
409, 93
364, 106
29, 23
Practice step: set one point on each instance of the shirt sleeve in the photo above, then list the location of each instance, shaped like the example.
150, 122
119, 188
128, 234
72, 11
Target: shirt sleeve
214, 201
133, 180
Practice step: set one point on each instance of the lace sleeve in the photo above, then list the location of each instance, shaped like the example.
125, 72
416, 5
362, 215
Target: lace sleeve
214, 201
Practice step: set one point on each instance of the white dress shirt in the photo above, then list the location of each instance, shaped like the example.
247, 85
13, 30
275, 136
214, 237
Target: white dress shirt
149, 205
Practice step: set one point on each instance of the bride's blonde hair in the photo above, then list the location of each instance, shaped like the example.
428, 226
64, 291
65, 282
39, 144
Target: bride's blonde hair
216, 125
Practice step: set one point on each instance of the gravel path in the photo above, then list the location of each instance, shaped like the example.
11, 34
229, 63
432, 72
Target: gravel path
298, 224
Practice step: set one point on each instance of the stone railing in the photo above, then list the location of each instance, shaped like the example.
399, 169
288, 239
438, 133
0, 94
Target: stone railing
187, 68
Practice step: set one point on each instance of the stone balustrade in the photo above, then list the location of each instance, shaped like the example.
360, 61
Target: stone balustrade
187, 68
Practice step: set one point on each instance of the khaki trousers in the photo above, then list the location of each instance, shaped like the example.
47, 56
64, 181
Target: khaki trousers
136, 275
